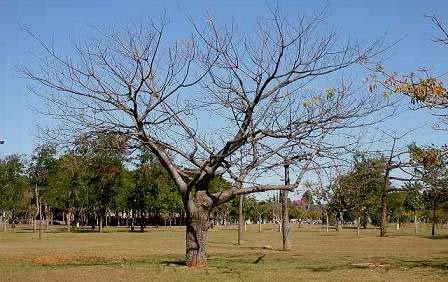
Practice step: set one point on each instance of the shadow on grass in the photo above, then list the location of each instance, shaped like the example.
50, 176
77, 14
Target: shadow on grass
441, 264
437, 237
178, 263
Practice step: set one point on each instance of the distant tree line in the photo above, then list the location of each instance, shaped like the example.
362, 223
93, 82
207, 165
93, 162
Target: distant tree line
98, 182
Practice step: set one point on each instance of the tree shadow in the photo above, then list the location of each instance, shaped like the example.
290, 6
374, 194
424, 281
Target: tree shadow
441, 264
175, 263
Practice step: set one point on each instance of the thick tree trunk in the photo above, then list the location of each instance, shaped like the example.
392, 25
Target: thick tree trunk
196, 238
240, 219
285, 213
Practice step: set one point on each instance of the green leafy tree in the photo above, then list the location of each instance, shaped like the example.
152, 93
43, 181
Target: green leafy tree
13, 188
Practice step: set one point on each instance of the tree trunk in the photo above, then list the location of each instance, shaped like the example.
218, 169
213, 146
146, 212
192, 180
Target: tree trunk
4, 221
326, 221
398, 224
434, 204
100, 225
383, 210
40, 221
132, 221
240, 219
415, 223
340, 221
68, 219
39, 211
285, 213
358, 226
196, 238
259, 223
142, 221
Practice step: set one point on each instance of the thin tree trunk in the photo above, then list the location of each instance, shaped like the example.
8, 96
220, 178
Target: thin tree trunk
415, 223
68, 219
383, 211
4, 221
285, 213
358, 226
326, 221
100, 225
398, 224
40, 221
433, 231
259, 224
39, 212
240, 219
340, 221
132, 221
142, 222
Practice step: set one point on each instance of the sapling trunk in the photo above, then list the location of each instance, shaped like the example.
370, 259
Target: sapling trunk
285, 213
240, 219
415, 223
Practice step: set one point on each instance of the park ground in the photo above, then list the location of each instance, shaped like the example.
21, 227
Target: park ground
157, 254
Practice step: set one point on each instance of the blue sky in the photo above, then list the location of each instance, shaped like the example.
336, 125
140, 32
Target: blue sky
67, 20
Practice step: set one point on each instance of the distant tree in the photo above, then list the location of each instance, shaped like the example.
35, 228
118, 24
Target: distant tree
68, 185
40, 168
103, 154
414, 201
14, 195
432, 169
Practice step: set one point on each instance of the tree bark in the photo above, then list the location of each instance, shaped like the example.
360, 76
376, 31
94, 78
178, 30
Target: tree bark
196, 238
285, 213
240, 219
326, 221
259, 224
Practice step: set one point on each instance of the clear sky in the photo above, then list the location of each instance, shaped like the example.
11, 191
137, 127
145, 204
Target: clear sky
66, 20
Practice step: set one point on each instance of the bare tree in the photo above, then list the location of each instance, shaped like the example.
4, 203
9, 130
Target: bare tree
196, 103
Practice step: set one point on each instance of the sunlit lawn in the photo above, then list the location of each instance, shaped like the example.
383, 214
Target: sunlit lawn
157, 255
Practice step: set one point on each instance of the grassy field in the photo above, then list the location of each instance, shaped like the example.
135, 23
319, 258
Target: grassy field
156, 255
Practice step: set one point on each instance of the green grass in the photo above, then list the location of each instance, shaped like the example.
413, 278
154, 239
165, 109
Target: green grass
158, 254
